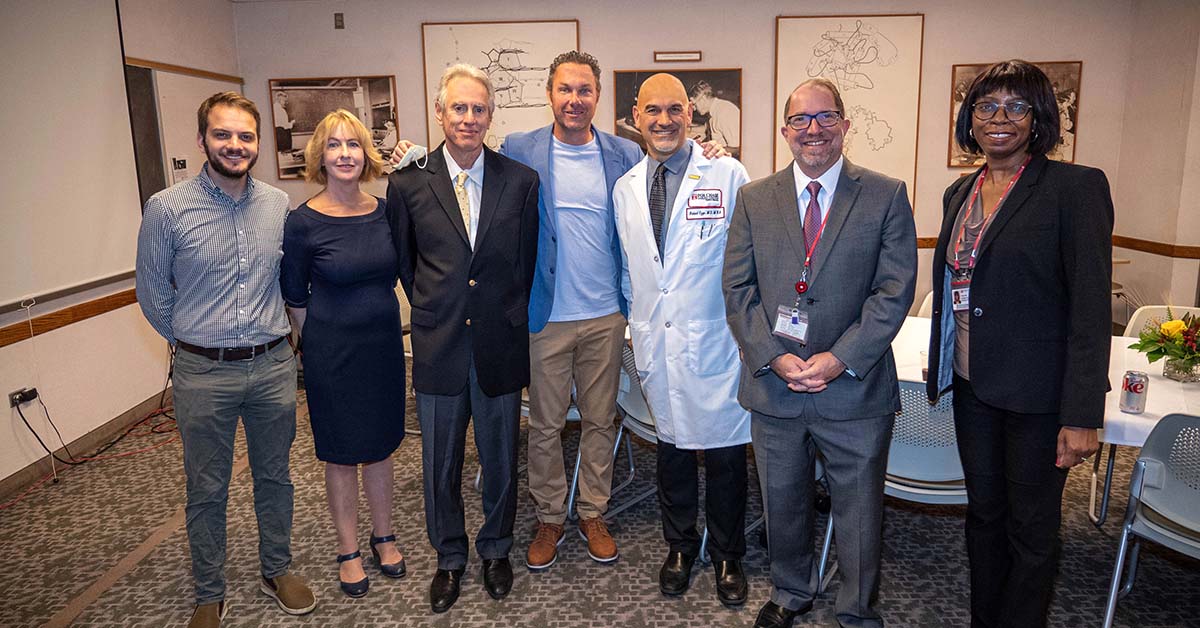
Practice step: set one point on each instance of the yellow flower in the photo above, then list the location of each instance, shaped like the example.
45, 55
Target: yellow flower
1173, 328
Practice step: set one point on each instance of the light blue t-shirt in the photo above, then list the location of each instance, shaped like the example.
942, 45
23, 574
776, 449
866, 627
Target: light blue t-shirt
585, 282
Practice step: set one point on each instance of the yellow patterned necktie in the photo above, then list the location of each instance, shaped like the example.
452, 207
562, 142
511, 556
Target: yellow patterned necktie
464, 200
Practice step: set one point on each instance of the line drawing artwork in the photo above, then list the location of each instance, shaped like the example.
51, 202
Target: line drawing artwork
875, 62
514, 55
841, 55
868, 126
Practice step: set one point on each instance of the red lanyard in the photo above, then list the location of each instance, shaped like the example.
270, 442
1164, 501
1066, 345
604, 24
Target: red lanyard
802, 285
987, 221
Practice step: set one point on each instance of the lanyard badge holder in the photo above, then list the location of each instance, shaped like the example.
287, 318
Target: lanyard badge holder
960, 282
792, 322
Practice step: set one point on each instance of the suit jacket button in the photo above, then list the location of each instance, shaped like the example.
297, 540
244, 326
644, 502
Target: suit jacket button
551, 270
468, 322
978, 312
554, 239
471, 283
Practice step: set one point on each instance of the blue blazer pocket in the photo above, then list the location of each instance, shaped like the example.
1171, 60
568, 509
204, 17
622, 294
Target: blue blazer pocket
422, 317
518, 314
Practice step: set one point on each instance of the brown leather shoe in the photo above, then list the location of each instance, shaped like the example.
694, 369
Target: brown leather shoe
543, 549
209, 615
601, 546
291, 594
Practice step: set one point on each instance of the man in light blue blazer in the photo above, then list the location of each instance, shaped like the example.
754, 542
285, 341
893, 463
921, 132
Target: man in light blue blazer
576, 310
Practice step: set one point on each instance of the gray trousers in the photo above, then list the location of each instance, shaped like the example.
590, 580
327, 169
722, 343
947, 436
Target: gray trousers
209, 398
444, 420
855, 458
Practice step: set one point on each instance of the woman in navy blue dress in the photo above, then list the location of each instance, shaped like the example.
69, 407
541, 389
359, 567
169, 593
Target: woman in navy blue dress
338, 276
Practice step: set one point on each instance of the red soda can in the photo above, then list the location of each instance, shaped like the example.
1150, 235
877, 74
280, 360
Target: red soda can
1134, 388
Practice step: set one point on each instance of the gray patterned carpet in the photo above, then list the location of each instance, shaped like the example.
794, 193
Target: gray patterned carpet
59, 539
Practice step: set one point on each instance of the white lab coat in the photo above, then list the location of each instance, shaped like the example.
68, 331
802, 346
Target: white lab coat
686, 356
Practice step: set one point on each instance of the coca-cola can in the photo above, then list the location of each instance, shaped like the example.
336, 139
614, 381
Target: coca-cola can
1134, 388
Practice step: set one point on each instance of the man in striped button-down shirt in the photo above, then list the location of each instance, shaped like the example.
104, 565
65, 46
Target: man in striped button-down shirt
208, 281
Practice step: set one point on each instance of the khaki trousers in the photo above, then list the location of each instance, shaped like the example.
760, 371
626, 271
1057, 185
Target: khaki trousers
588, 353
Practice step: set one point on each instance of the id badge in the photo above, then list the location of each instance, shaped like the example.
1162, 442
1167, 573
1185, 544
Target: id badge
960, 294
791, 323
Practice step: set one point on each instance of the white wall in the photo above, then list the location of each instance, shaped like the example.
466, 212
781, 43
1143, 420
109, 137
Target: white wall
1155, 191
93, 371
192, 33
64, 103
292, 39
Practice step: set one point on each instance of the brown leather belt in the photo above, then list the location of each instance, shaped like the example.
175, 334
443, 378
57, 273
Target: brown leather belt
232, 353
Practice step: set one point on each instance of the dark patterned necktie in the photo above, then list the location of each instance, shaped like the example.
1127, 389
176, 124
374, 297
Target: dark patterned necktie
658, 204
812, 217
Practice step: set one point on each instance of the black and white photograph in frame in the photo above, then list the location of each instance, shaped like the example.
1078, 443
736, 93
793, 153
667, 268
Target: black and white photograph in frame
1064, 76
298, 104
716, 97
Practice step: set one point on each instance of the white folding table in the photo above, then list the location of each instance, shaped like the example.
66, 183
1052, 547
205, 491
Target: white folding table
1165, 396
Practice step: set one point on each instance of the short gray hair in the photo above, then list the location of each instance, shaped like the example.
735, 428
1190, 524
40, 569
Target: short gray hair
464, 70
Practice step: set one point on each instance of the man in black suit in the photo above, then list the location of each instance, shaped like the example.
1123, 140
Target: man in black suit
465, 230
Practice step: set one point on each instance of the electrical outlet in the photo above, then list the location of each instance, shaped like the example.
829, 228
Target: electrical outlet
18, 397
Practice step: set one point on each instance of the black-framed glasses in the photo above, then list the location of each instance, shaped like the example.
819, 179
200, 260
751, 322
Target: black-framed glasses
1015, 110
801, 121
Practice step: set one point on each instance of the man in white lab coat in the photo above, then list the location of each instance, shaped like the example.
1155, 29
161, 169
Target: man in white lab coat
672, 211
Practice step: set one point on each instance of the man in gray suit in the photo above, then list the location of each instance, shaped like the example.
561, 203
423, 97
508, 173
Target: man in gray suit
820, 267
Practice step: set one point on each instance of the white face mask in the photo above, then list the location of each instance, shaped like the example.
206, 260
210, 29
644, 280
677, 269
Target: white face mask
413, 154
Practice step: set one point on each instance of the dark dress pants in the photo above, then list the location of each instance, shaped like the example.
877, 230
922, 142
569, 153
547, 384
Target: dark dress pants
724, 499
855, 456
1014, 508
444, 420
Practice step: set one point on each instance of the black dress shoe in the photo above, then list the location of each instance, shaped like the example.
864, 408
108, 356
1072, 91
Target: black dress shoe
676, 573
443, 591
497, 577
773, 615
393, 570
353, 589
731, 582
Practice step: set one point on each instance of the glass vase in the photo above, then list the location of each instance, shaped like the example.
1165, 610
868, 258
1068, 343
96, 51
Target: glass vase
1181, 370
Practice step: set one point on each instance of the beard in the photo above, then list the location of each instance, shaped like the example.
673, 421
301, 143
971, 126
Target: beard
214, 162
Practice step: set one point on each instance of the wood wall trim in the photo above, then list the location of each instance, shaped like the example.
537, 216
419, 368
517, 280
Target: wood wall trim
66, 292
1165, 249
181, 69
49, 322
927, 243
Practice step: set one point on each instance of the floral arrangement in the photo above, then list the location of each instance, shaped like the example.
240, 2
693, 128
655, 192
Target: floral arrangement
1174, 339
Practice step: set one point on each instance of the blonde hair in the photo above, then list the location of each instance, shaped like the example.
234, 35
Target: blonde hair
314, 152
464, 70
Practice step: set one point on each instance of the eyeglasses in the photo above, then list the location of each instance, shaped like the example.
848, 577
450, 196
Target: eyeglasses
1015, 110
801, 121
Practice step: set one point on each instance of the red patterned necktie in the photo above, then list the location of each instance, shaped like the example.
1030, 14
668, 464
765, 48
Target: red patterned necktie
812, 217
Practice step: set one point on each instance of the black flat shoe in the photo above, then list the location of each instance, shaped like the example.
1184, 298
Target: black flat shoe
676, 573
394, 570
773, 615
443, 591
497, 577
731, 582
353, 589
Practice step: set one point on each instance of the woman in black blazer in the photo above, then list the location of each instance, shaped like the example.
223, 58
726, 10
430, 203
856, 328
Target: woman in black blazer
1021, 334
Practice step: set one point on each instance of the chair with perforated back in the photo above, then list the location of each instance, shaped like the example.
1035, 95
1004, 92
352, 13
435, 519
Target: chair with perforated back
1164, 500
1143, 314
923, 463
926, 308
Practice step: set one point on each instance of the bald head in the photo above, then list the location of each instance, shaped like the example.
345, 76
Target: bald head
662, 115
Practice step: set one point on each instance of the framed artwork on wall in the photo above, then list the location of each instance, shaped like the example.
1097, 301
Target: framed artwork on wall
1064, 76
298, 104
875, 60
515, 55
716, 97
